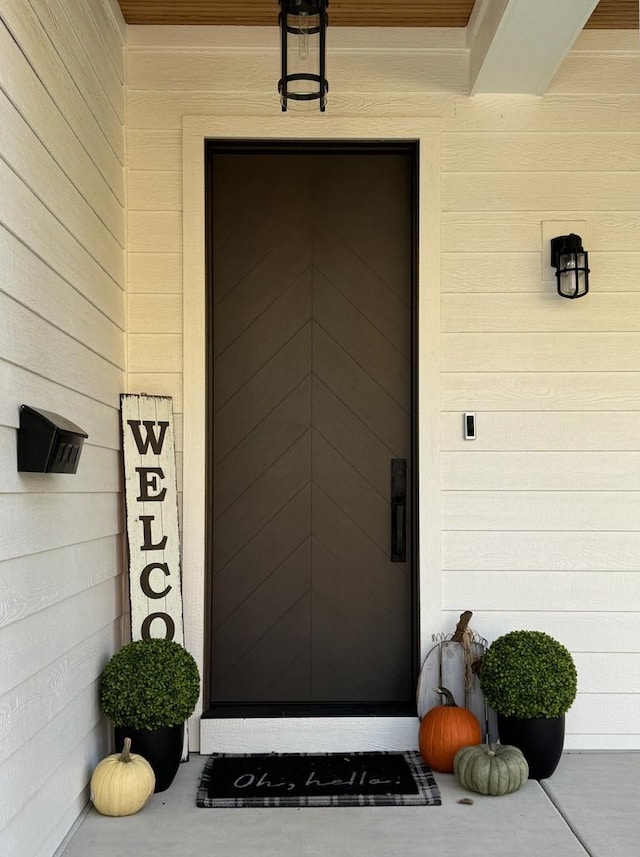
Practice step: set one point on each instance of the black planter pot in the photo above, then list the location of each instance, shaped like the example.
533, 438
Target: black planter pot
541, 740
162, 748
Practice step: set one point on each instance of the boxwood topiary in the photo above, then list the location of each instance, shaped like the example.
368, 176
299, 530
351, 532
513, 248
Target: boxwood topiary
528, 674
149, 684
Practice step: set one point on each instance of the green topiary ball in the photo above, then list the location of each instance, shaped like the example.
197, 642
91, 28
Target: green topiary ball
528, 674
149, 684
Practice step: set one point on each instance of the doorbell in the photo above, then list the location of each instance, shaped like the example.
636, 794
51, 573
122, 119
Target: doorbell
469, 426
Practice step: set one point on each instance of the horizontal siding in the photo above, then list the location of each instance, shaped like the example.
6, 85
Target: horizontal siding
39, 110
39, 289
37, 227
534, 550
98, 134
540, 153
608, 712
539, 591
608, 672
579, 630
155, 352
155, 273
539, 352
103, 56
155, 232
75, 36
24, 152
217, 70
154, 150
540, 513
64, 794
162, 110
56, 520
27, 588
32, 639
541, 471
527, 313
43, 696
615, 191
159, 109
155, 190
506, 232
474, 273
112, 31
592, 71
541, 510
556, 390
30, 341
62, 348
590, 112
155, 314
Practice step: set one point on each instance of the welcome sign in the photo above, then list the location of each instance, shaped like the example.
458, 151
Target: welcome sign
155, 580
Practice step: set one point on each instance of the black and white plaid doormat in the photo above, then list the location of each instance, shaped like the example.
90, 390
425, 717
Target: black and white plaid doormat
318, 779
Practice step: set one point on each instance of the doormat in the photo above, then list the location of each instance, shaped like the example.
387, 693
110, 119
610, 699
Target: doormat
319, 779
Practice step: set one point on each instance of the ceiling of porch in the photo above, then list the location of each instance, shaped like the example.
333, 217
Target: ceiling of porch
609, 14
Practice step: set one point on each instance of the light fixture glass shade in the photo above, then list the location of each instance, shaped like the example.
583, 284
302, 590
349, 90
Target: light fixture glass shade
303, 26
571, 262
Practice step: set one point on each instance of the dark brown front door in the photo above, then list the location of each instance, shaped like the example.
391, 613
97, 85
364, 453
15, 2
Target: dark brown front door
311, 272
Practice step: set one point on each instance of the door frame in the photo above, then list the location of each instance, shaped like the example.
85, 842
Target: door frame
320, 733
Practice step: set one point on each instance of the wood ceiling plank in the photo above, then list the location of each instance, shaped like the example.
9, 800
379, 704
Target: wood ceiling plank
343, 13
609, 14
615, 15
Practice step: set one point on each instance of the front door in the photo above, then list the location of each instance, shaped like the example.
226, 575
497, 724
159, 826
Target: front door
311, 467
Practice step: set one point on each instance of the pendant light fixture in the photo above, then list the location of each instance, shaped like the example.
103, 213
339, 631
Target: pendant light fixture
303, 29
571, 262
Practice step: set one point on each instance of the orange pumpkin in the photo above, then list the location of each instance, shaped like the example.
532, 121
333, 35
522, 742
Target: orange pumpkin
444, 730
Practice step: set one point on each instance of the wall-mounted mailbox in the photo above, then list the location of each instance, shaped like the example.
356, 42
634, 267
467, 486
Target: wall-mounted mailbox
47, 442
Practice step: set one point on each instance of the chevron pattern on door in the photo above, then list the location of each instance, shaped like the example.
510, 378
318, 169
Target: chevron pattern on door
311, 378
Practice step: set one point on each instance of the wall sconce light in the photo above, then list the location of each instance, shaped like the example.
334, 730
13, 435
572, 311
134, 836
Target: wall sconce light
303, 29
571, 262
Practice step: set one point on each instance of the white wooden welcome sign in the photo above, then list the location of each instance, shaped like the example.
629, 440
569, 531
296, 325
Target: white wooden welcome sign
155, 580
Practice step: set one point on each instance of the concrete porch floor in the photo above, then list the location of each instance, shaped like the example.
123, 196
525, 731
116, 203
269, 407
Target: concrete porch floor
591, 806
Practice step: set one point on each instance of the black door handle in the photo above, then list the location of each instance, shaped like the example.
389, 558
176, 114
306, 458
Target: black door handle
398, 509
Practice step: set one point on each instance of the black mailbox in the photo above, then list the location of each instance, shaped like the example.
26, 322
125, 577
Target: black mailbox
48, 443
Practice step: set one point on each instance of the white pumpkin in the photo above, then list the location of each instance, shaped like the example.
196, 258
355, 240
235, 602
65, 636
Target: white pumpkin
122, 783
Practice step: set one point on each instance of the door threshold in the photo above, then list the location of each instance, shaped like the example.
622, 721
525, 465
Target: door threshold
307, 734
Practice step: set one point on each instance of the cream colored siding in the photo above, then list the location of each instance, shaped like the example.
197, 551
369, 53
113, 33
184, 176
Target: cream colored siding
62, 337
541, 514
